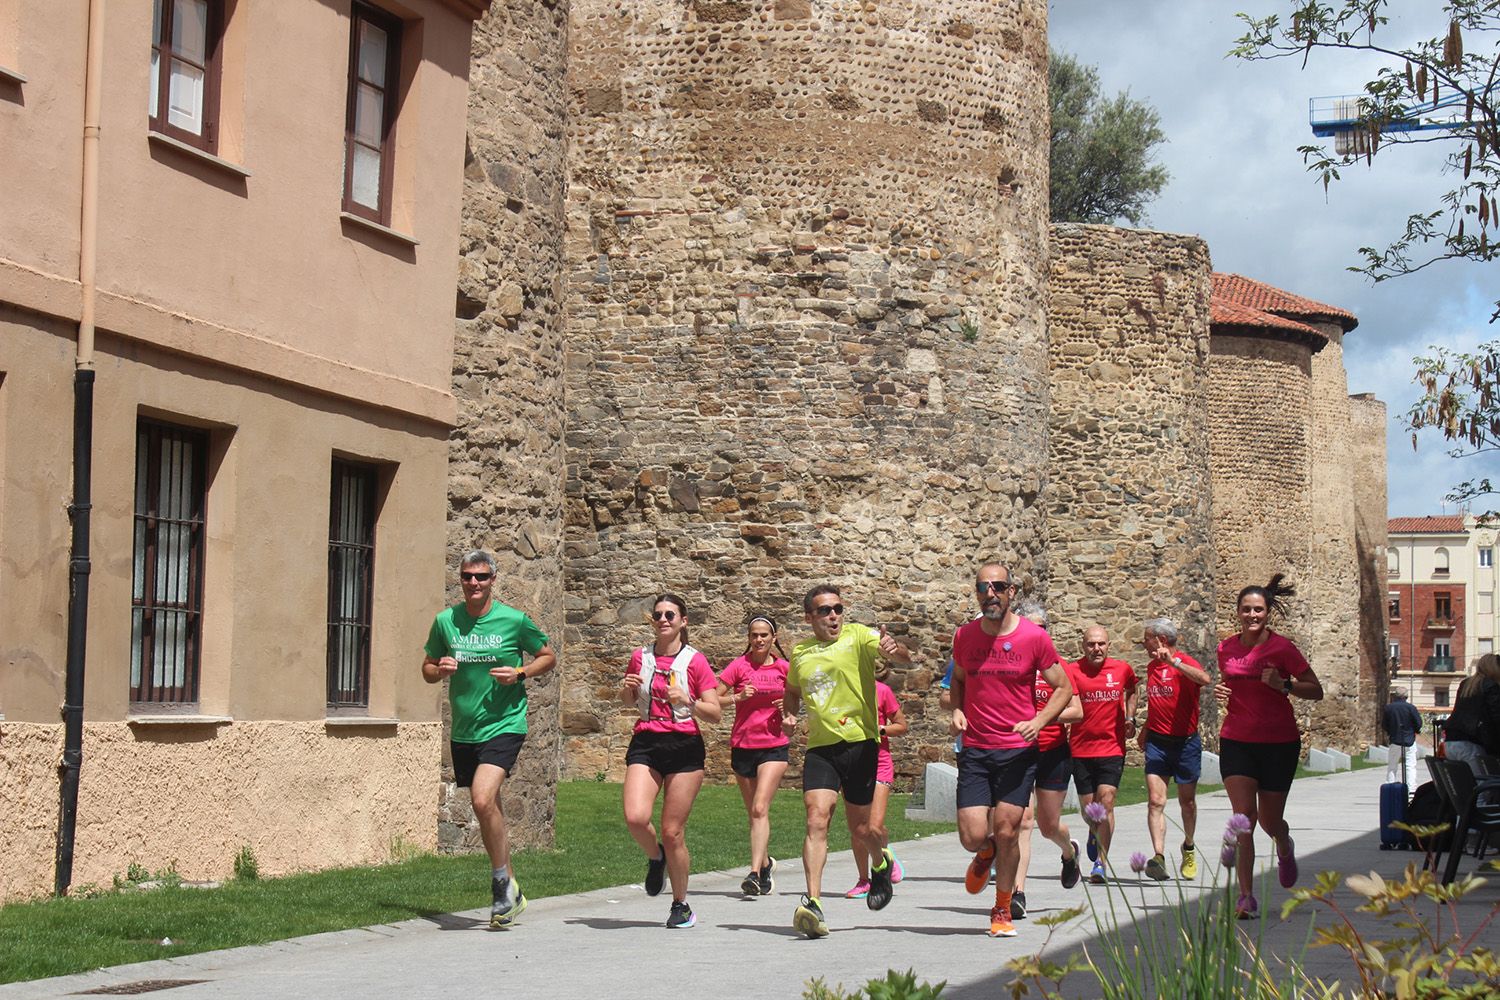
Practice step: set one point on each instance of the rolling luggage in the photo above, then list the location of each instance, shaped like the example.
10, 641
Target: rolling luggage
1393, 810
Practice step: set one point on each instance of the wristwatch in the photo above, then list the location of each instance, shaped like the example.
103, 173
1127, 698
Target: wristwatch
1286, 685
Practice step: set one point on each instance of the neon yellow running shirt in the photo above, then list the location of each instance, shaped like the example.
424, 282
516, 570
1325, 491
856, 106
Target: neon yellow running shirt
837, 681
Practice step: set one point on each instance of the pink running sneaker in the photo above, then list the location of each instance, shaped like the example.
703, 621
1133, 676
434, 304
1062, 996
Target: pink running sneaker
1286, 865
897, 872
1247, 908
860, 891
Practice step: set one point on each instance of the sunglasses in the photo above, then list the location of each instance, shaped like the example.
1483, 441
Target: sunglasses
828, 609
664, 616
481, 577
1000, 587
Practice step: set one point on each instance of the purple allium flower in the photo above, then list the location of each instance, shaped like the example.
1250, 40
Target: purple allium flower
1226, 856
1137, 862
1240, 824
1095, 813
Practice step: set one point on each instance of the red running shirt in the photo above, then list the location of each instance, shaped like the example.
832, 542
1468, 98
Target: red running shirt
1103, 693
1171, 699
1000, 680
1055, 735
1258, 712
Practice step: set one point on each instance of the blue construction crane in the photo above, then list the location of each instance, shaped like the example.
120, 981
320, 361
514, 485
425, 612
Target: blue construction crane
1340, 117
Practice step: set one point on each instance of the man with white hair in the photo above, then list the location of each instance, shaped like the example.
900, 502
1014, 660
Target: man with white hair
1402, 723
1171, 742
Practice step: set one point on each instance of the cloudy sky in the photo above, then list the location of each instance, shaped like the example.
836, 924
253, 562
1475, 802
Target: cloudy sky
1233, 128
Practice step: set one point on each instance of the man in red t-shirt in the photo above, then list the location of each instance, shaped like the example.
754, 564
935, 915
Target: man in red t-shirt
1108, 691
1171, 742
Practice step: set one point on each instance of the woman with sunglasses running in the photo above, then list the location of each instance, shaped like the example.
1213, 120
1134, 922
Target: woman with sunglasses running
1260, 672
672, 685
756, 683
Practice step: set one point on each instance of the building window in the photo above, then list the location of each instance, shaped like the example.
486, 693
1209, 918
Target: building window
185, 70
1440, 697
1442, 607
351, 583
1394, 653
1486, 646
1486, 558
1392, 562
1395, 607
369, 130
1440, 561
1486, 603
1442, 649
167, 589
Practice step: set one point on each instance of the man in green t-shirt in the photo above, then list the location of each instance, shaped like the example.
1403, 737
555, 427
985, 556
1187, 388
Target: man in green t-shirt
477, 646
834, 673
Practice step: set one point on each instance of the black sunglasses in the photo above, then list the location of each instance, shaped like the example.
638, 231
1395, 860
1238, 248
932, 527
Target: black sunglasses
481, 577
999, 587
670, 616
828, 609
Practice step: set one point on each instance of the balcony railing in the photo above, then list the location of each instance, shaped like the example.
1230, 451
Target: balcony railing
1437, 623
1439, 665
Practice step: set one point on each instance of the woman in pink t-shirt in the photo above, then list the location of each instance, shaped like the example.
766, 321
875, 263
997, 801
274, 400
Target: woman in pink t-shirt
755, 682
892, 723
672, 686
1260, 671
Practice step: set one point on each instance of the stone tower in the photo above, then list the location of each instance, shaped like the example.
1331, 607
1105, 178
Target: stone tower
1129, 528
806, 257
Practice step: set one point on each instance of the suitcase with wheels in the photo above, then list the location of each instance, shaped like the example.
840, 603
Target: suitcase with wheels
1392, 810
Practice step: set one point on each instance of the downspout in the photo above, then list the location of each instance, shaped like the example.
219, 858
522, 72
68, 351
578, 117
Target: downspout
83, 448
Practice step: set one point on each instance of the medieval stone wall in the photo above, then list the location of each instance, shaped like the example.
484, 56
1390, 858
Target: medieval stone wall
506, 460
1368, 464
806, 253
1129, 528
1332, 588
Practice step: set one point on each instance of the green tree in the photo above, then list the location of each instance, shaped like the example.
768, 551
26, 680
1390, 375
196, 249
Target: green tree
1449, 82
1101, 148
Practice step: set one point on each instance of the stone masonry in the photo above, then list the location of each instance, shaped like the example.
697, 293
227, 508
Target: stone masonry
806, 251
1367, 418
1129, 528
506, 456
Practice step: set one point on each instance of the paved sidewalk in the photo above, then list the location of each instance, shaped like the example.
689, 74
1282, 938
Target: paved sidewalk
612, 943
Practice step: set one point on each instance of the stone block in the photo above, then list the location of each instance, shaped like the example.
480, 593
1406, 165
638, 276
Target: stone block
940, 795
1377, 755
1210, 774
1322, 760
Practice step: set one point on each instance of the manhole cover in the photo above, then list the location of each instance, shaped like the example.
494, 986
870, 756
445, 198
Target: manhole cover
144, 986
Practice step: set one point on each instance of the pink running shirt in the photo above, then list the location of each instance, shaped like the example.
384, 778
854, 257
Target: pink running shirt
1257, 712
757, 720
1000, 680
700, 679
886, 707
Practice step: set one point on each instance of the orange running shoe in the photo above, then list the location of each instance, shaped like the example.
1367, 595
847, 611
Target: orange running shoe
978, 875
1000, 922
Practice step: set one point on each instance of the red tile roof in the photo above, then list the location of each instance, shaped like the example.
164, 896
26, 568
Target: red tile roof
1435, 524
1224, 312
1268, 298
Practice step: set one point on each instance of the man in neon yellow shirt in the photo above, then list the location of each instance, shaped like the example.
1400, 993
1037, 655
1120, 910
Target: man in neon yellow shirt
834, 673
477, 646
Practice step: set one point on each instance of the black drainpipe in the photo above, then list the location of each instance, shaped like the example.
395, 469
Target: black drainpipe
78, 624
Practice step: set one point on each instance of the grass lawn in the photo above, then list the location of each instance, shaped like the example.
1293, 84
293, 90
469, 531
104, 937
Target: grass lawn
54, 937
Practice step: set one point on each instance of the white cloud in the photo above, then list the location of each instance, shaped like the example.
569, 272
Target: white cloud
1233, 130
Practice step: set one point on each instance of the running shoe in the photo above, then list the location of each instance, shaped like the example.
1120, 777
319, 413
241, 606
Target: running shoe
1000, 923
681, 915
1018, 905
1157, 868
656, 871
1286, 865
1093, 847
860, 891
1096, 877
509, 903
1070, 872
1246, 908
978, 875
767, 883
808, 919
897, 872
880, 882
1189, 866
750, 886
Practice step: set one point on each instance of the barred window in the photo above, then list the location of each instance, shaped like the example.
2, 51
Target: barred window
166, 600
351, 583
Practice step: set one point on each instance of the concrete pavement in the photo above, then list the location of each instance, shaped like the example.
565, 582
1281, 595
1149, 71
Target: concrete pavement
611, 942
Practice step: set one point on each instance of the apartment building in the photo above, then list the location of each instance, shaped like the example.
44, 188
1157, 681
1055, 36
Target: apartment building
232, 226
1440, 602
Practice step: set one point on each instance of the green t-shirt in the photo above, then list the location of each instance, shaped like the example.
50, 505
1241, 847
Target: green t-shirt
837, 681
483, 708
